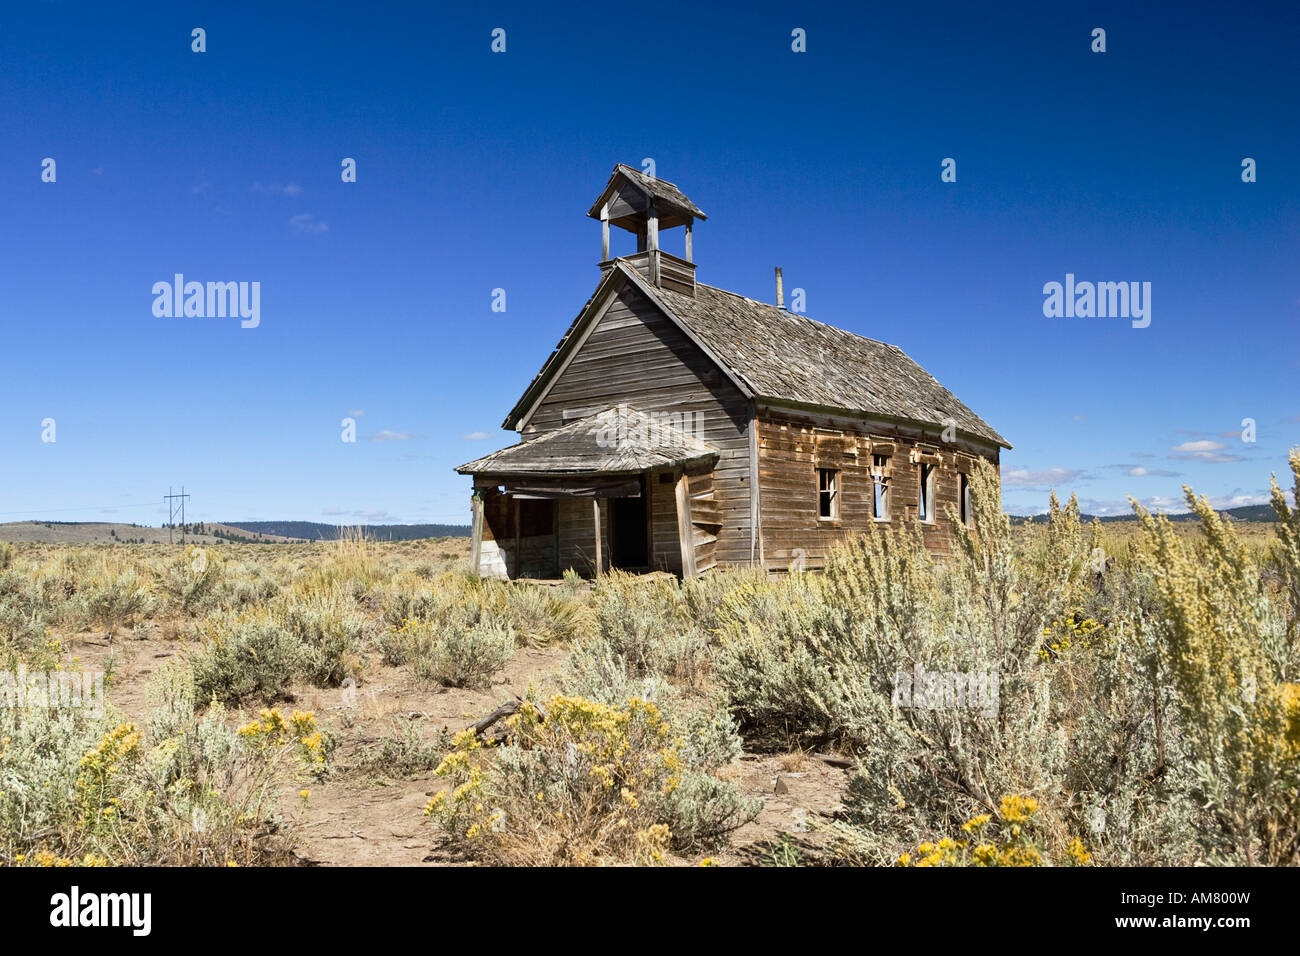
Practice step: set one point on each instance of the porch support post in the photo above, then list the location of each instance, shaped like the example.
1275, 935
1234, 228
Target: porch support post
476, 539
684, 535
595, 508
756, 554
519, 562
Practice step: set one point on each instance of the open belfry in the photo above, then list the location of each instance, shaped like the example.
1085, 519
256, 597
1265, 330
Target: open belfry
681, 427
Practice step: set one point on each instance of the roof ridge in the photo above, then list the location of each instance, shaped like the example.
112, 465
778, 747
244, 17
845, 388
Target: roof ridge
642, 172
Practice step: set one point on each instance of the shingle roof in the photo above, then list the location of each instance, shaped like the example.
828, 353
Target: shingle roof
787, 357
659, 188
619, 440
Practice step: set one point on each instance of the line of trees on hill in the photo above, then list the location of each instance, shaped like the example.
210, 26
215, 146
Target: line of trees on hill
318, 531
1244, 513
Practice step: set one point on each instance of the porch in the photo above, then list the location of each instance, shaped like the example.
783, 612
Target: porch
620, 489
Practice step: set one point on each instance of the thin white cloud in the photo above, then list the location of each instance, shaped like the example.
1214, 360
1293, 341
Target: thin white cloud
1204, 449
387, 434
1105, 508
1025, 478
1141, 471
474, 436
292, 190
307, 223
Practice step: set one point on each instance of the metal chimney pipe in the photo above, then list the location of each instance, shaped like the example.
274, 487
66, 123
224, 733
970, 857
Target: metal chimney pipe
780, 290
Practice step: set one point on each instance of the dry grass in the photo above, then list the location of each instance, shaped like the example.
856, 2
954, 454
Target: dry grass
1109, 701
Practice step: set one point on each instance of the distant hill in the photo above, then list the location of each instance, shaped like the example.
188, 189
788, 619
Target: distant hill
112, 532
316, 531
1252, 513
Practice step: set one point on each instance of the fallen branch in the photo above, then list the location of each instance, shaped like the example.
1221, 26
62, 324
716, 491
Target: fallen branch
505, 710
834, 760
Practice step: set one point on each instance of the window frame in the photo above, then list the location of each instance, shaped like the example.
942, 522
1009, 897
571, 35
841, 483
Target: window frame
879, 487
925, 497
833, 491
966, 501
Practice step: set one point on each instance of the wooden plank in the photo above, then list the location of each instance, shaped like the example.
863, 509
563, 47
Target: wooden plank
755, 515
706, 511
519, 551
476, 541
684, 535
595, 507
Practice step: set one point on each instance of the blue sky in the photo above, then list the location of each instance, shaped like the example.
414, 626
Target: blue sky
475, 170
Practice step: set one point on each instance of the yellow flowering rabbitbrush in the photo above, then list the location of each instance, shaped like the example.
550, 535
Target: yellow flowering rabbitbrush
585, 783
1012, 839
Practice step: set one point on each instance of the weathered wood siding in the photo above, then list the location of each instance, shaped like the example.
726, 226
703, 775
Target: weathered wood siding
634, 354
706, 523
794, 445
516, 544
577, 535
665, 550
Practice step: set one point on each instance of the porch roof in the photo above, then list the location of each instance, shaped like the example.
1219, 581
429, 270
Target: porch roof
618, 441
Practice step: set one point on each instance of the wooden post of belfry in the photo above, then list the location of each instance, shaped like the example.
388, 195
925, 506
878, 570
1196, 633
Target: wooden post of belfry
604, 232
652, 241
595, 508
684, 536
476, 541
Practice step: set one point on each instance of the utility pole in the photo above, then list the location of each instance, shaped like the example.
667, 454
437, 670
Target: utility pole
172, 508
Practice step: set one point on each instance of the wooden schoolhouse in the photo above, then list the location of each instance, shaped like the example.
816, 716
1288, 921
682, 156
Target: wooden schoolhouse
681, 427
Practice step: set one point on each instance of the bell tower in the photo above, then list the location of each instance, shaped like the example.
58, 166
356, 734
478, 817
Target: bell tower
646, 206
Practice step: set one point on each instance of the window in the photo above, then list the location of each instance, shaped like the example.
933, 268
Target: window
966, 514
828, 493
880, 500
925, 501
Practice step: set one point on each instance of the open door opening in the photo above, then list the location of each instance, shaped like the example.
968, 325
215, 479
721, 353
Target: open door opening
629, 540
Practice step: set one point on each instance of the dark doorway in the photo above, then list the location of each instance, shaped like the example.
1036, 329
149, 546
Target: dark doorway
627, 531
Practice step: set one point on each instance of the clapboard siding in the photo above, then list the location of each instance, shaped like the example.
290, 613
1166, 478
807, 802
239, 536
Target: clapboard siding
511, 548
665, 548
707, 522
794, 445
635, 355
577, 533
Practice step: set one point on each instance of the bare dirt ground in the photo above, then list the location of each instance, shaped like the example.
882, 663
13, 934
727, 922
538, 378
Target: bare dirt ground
363, 817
